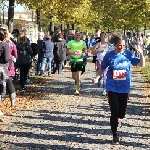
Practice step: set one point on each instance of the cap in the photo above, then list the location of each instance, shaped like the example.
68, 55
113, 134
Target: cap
15, 31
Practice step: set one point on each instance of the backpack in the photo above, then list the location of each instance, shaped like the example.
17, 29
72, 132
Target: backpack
35, 48
24, 56
59, 51
3, 71
48, 47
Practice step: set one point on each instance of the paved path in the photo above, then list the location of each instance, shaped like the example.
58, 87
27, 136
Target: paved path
62, 121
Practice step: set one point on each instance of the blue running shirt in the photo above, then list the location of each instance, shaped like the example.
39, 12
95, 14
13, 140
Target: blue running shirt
93, 42
118, 74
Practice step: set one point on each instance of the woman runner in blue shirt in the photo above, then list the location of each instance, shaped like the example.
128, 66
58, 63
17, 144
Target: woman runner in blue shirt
118, 80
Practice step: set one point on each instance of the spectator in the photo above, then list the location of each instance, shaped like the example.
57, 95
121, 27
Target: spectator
24, 59
11, 68
48, 47
59, 53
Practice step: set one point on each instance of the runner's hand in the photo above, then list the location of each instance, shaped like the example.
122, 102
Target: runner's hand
94, 81
140, 49
83, 54
76, 53
101, 51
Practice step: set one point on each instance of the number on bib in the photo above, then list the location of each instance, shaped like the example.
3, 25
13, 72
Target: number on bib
119, 74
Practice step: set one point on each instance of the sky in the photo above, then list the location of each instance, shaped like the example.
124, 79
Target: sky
17, 8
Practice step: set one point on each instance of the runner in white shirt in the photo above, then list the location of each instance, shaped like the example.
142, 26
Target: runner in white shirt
101, 49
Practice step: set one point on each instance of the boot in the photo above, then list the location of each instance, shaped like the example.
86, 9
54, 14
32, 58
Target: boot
13, 99
1, 113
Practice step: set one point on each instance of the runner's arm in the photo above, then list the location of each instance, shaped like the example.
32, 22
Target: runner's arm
100, 72
142, 59
69, 52
93, 49
84, 51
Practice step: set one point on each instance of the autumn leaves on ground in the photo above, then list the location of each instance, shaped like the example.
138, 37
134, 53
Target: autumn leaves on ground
146, 86
36, 91
25, 99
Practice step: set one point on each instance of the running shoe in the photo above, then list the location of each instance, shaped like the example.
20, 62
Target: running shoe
77, 92
1, 113
104, 92
28, 80
115, 139
23, 89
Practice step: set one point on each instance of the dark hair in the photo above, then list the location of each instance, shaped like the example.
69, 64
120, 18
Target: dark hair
134, 34
21, 38
115, 38
102, 33
48, 37
77, 31
97, 30
2, 36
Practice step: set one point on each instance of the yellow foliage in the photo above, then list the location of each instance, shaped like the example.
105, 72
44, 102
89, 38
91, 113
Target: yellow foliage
89, 14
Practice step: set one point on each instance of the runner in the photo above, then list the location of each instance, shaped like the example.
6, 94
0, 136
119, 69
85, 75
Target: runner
100, 49
118, 79
76, 49
93, 41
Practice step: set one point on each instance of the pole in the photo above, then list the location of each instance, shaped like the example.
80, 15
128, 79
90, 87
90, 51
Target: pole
52, 26
3, 16
62, 27
38, 19
72, 26
32, 15
0, 14
68, 26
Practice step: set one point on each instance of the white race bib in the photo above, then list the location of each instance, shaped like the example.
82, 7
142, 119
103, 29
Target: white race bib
119, 74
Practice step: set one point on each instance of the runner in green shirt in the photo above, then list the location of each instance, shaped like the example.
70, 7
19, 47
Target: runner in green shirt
76, 49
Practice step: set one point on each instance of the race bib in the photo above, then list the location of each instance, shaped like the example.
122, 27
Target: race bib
119, 74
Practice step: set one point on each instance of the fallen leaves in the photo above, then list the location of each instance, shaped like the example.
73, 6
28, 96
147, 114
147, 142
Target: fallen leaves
146, 87
25, 100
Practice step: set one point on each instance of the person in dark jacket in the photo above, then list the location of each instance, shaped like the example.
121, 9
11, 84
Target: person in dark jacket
4, 58
48, 47
59, 54
24, 59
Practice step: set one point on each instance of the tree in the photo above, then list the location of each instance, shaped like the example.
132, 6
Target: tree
90, 14
11, 14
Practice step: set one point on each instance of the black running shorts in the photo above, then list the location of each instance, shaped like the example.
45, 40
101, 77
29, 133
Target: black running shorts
78, 67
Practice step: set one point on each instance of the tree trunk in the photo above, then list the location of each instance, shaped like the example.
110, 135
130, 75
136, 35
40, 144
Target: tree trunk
10, 14
38, 20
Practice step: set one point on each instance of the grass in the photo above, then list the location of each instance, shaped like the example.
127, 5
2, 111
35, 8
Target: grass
146, 70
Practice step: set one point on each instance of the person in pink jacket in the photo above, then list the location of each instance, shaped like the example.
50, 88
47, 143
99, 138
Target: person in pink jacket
11, 68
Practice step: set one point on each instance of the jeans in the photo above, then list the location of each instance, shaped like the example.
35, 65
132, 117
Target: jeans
39, 63
49, 62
